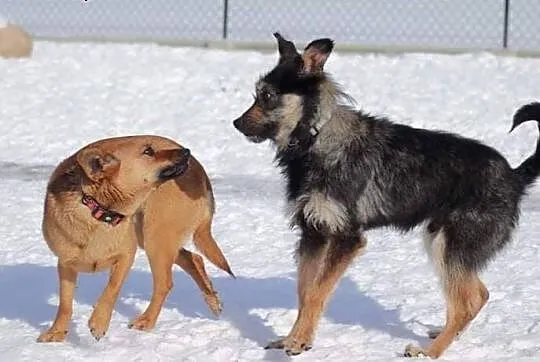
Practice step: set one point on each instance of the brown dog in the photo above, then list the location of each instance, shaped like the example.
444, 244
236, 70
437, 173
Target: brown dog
115, 194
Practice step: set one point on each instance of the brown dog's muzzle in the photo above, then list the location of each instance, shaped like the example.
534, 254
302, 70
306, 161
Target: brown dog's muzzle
180, 157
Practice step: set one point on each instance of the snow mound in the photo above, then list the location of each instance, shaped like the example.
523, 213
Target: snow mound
15, 42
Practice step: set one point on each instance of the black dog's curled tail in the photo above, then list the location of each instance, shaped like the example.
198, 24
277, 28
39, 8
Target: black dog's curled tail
529, 170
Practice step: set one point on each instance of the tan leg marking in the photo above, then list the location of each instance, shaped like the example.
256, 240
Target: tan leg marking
318, 277
466, 296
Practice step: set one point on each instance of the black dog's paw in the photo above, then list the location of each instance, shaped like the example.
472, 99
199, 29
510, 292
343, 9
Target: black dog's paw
414, 351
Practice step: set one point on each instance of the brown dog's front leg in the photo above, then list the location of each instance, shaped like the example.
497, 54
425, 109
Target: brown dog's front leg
101, 317
58, 331
161, 262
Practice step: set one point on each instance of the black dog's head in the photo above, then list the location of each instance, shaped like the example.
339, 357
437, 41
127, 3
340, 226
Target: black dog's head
288, 98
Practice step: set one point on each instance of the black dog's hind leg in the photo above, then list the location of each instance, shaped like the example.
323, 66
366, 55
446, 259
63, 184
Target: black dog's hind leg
320, 267
465, 294
484, 294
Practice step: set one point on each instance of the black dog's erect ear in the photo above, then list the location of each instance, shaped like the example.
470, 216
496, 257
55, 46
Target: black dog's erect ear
316, 53
287, 50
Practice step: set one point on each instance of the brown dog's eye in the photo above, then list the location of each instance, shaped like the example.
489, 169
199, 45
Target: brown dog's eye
149, 151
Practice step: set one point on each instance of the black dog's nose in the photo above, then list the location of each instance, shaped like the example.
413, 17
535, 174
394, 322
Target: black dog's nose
236, 123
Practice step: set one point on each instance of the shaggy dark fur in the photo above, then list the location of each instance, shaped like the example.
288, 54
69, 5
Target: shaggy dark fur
348, 172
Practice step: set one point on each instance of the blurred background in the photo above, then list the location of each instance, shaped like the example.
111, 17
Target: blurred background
445, 25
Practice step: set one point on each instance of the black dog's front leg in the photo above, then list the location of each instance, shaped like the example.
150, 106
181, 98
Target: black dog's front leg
322, 260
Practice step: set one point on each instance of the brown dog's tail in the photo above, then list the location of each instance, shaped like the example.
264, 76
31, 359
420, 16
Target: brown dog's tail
207, 245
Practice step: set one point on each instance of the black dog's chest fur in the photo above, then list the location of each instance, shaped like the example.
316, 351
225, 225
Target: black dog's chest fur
399, 176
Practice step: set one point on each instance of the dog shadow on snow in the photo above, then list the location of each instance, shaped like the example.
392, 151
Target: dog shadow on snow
26, 289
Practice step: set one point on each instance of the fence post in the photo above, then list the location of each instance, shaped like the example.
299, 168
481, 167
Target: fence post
225, 18
506, 20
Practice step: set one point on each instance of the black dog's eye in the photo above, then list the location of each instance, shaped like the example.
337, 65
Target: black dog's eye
267, 99
149, 151
266, 96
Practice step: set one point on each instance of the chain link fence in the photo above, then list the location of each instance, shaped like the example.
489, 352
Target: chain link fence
414, 24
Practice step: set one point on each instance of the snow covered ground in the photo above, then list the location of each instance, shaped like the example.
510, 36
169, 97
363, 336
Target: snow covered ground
69, 95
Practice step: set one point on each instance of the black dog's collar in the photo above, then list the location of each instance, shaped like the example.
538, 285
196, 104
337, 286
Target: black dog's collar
100, 213
298, 139
315, 129
305, 134
303, 139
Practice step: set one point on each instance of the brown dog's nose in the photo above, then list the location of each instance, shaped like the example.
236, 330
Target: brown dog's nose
180, 155
185, 153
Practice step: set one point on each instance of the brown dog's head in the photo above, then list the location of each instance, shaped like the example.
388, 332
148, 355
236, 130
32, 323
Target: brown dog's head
121, 172
291, 96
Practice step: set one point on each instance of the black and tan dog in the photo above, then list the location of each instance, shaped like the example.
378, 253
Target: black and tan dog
115, 194
349, 172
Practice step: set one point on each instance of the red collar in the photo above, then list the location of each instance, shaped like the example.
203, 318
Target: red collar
100, 213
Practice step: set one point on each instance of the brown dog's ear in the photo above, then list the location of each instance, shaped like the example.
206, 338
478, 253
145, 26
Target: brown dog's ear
97, 164
316, 53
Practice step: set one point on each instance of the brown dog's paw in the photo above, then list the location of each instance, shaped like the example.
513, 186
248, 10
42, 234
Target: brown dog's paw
99, 324
142, 323
214, 303
292, 347
52, 336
